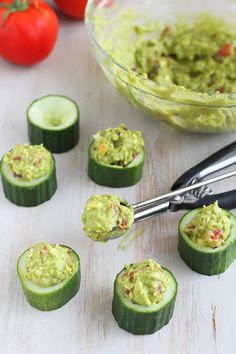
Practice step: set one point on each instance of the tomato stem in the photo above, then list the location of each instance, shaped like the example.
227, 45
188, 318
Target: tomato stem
16, 6
16, 3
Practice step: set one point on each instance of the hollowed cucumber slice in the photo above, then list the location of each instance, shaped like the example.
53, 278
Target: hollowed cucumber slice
139, 319
32, 193
206, 260
53, 297
115, 176
54, 122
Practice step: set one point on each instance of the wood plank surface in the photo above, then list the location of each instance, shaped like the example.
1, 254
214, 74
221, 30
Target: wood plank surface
204, 317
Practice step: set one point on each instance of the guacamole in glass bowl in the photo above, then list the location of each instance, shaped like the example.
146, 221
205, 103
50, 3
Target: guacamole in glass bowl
172, 59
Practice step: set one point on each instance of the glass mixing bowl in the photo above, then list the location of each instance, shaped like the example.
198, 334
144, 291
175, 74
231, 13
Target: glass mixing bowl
112, 28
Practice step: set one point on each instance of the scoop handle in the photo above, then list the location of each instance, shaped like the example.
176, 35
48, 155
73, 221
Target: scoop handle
185, 178
226, 200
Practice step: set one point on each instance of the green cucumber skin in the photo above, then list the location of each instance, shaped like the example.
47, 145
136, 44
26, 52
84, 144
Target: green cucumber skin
31, 196
53, 300
114, 177
206, 263
141, 323
58, 141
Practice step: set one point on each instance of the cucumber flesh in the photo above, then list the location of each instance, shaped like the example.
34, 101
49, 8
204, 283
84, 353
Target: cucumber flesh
113, 175
206, 260
143, 320
30, 193
53, 297
54, 122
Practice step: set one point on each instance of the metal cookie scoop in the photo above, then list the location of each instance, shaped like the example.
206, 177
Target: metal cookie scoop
190, 192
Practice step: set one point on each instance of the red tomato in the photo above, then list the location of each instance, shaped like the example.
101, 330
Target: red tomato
28, 34
72, 8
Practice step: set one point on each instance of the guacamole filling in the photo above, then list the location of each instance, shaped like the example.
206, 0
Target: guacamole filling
28, 162
210, 227
117, 146
48, 265
144, 283
199, 56
106, 216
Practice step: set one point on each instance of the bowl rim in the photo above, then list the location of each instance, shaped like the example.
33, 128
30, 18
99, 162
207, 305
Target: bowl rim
191, 98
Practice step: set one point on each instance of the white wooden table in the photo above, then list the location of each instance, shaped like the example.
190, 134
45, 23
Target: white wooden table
204, 320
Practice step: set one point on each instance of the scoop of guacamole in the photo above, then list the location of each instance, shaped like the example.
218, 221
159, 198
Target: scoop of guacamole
106, 217
210, 227
144, 283
28, 162
49, 265
117, 146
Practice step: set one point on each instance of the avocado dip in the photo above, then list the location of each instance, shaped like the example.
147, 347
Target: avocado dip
117, 146
210, 227
106, 217
48, 265
28, 162
199, 56
144, 283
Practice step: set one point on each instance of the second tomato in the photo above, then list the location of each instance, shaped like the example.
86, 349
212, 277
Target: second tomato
72, 8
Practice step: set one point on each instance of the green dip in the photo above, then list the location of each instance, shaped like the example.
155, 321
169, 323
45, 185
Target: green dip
106, 217
210, 227
49, 265
199, 56
144, 283
117, 146
28, 162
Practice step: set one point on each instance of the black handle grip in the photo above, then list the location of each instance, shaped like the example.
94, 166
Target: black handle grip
226, 200
188, 175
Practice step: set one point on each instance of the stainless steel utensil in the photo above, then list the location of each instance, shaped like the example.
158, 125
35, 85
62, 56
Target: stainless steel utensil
190, 191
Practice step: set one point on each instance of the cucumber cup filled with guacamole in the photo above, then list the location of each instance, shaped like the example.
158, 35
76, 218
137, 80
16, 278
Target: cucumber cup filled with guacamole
49, 275
144, 297
116, 157
207, 239
28, 175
